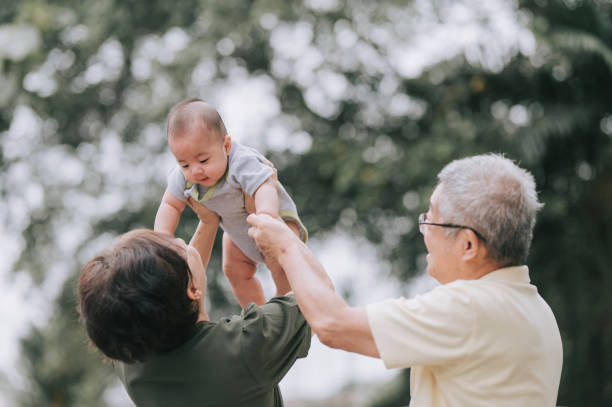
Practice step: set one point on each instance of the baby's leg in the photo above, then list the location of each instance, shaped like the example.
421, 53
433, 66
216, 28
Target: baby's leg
240, 271
277, 272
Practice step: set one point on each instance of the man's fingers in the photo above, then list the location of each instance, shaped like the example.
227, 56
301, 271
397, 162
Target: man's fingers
258, 219
253, 219
254, 232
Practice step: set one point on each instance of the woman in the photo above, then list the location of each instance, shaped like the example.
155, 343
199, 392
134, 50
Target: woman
142, 304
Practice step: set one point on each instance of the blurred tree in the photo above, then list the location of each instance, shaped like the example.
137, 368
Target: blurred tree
83, 153
551, 110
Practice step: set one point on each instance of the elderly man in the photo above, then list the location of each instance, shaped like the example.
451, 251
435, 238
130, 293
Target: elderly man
485, 336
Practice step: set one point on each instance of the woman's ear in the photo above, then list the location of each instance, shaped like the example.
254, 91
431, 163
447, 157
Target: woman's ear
193, 293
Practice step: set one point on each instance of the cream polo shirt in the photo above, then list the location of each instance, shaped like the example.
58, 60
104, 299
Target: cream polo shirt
487, 342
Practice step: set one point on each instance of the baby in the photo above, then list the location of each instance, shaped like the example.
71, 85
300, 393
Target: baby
215, 171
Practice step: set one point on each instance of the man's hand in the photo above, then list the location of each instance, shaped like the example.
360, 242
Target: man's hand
271, 235
204, 214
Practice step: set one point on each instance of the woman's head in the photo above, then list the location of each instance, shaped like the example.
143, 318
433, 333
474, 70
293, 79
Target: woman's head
133, 297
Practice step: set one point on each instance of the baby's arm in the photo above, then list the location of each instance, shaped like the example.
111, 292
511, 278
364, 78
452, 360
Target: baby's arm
168, 214
266, 197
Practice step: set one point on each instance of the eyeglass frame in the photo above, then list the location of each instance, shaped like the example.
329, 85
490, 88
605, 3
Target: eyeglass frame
422, 220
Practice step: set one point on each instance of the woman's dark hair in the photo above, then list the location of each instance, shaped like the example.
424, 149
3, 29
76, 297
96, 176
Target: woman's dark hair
133, 297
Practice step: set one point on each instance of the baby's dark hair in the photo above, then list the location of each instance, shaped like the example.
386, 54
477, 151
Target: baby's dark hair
194, 114
133, 297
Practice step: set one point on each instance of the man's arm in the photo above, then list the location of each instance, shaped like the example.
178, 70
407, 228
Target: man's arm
336, 324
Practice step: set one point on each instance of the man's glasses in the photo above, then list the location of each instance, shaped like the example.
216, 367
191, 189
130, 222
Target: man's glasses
423, 221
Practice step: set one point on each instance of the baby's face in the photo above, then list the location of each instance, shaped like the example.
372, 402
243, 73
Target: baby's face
201, 154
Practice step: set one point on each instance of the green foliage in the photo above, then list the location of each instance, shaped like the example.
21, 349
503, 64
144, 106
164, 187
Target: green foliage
64, 369
115, 68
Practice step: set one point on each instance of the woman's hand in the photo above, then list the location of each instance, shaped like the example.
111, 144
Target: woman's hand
204, 214
249, 202
203, 238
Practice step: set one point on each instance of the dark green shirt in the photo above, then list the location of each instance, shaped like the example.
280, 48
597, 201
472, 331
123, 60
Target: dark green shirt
237, 361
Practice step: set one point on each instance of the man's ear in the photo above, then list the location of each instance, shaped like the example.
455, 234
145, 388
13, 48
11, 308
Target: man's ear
470, 244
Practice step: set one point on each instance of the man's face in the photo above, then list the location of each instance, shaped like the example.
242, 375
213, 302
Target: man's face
441, 261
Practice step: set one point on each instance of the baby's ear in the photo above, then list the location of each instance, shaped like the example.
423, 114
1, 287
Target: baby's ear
227, 144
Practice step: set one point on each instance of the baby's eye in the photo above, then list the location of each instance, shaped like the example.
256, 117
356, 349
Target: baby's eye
203, 161
184, 165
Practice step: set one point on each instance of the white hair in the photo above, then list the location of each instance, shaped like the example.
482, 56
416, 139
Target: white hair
493, 195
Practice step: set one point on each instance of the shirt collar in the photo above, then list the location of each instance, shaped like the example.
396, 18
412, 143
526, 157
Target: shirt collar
515, 274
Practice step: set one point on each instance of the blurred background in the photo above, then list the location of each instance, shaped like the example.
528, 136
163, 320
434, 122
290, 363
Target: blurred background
358, 103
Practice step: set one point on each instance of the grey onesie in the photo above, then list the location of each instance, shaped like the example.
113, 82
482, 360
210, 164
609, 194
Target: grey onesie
246, 169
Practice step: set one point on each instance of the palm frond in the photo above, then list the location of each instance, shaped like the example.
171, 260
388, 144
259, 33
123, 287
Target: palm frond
578, 42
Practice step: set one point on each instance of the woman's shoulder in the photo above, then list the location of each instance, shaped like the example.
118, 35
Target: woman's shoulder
220, 338
253, 318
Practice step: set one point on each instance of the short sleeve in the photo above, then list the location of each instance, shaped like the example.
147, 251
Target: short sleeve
274, 336
248, 169
176, 183
430, 329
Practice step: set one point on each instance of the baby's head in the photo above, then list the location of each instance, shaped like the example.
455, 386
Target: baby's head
199, 141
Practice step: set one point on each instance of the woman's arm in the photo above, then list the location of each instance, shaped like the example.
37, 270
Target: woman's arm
203, 238
168, 214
